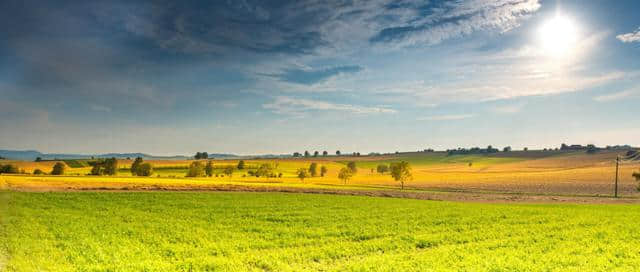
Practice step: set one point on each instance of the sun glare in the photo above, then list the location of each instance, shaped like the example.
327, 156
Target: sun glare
558, 36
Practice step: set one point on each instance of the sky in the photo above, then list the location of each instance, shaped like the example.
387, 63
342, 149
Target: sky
276, 77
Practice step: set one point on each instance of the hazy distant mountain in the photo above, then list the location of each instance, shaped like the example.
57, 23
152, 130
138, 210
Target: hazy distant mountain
29, 155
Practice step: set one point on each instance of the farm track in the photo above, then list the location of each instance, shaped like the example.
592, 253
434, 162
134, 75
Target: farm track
440, 194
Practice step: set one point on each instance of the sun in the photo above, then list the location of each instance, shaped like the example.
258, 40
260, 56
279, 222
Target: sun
558, 36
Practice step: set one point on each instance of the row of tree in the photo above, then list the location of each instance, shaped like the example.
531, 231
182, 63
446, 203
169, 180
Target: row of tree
324, 154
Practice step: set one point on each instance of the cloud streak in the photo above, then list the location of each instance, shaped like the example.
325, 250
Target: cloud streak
630, 37
298, 106
615, 96
449, 117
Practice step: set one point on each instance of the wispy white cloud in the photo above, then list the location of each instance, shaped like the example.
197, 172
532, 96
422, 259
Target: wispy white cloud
630, 37
616, 96
298, 106
446, 117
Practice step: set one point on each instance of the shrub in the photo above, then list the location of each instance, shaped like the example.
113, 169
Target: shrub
9, 169
196, 169
229, 171
38, 172
209, 169
145, 170
382, 168
352, 166
134, 166
313, 169
58, 169
323, 171
345, 174
240, 165
302, 173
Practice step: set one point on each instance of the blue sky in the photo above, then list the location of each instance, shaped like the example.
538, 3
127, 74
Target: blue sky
255, 77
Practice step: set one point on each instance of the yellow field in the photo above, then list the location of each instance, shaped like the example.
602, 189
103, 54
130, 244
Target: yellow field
561, 174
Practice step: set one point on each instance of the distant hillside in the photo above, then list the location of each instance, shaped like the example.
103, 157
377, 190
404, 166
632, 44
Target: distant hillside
29, 155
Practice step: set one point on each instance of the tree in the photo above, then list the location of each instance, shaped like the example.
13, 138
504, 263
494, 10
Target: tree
338, 152
265, 170
196, 169
313, 169
345, 174
9, 169
240, 165
38, 172
323, 170
306, 153
352, 166
401, 171
58, 168
316, 153
325, 153
302, 173
201, 156
506, 149
229, 170
145, 170
110, 166
134, 166
526, 149
591, 149
38, 159
296, 154
382, 168
209, 169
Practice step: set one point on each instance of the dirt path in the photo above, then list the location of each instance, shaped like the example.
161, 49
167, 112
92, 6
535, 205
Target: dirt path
412, 194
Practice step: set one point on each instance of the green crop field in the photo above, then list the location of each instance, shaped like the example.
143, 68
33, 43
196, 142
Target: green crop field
172, 231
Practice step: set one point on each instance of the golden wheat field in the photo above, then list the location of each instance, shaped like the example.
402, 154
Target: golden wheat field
568, 173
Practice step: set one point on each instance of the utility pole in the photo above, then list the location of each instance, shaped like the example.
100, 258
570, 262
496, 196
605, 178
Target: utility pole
617, 163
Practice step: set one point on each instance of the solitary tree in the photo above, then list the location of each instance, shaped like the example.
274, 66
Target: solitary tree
296, 154
352, 166
134, 166
196, 169
382, 168
325, 153
38, 172
506, 149
401, 172
338, 152
110, 166
240, 165
306, 153
316, 153
345, 174
302, 174
229, 171
145, 170
38, 159
313, 169
323, 170
58, 169
209, 169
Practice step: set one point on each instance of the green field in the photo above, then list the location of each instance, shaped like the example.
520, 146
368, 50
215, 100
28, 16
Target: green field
172, 231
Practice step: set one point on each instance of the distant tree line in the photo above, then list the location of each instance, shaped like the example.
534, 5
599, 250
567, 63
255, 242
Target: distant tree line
104, 167
473, 150
201, 156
